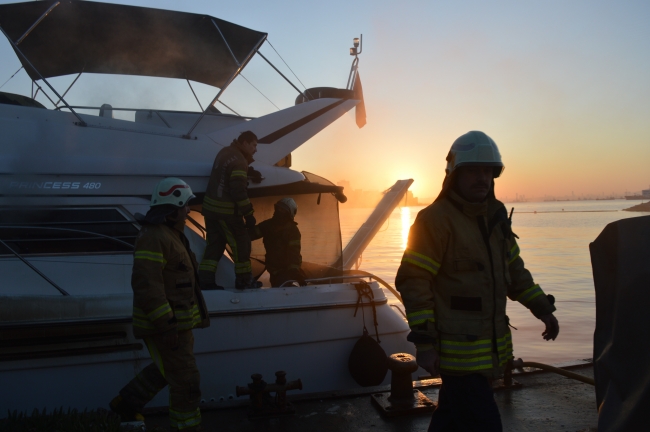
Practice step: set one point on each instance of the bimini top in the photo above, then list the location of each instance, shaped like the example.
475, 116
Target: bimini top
83, 36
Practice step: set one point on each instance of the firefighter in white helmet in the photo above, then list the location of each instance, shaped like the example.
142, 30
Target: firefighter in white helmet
282, 243
461, 264
167, 305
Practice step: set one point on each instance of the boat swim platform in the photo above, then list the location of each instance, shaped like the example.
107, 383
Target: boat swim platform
544, 402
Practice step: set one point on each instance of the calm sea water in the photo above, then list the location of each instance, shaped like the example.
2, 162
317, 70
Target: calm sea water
554, 239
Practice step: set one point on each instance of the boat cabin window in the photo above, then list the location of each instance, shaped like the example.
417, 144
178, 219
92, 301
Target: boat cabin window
318, 222
78, 230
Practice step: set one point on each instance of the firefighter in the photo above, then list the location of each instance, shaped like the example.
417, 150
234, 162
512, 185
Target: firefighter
229, 213
167, 305
461, 263
282, 243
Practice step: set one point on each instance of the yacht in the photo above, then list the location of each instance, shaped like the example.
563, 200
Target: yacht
72, 179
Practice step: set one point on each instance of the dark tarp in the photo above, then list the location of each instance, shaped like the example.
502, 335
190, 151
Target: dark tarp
83, 36
620, 258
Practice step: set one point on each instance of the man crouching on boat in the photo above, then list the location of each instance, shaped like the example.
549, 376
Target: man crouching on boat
282, 243
461, 263
167, 305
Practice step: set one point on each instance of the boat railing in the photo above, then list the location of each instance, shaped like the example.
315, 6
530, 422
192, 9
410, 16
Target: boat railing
158, 112
350, 274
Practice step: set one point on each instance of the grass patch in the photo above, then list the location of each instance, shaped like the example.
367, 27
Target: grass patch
61, 421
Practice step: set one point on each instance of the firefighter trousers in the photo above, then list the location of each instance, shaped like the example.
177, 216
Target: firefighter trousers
173, 367
220, 232
466, 403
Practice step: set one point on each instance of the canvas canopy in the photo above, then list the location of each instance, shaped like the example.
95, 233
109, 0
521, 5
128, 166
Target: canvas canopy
620, 258
82, 36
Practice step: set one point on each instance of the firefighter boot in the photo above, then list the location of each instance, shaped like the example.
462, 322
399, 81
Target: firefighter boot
245, 281
126, 412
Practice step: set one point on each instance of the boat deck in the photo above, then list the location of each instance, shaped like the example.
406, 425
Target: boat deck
545, 402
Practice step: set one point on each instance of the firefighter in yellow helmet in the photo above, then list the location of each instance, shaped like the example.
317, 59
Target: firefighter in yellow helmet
167, 305
461, 264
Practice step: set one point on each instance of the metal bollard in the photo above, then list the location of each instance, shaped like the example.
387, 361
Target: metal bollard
403, 398
262, 404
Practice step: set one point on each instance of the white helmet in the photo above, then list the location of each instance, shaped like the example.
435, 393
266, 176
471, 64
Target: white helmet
172, 191
289, 204
474, 148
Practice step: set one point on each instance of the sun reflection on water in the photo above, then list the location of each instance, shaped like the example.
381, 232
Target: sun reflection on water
406, 225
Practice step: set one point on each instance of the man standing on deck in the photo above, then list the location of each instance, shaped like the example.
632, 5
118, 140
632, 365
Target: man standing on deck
167, 305
461, 263
228, 213
282, 243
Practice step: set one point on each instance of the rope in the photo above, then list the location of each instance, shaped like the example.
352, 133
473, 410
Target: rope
242, 75
364, 290
294, 74
19, 71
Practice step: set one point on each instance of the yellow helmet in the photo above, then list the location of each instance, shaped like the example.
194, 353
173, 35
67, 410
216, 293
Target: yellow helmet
172, 191
474, 148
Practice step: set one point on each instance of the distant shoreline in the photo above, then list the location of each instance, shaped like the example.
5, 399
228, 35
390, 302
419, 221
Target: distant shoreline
643, 207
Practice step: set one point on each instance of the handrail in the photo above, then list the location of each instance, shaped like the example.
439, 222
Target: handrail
351, 275
69, 230
31, 266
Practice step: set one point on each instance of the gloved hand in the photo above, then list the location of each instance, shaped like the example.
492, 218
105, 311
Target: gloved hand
254, 175
250, 221
552, 326
427, 358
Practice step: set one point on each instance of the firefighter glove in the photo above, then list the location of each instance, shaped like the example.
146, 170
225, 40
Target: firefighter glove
250, 221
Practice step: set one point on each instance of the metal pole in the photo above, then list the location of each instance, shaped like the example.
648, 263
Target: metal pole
232, 77
195, 97
282, 75
68, 89
81, 122
42, 91
38, 21
226, 42
61, 290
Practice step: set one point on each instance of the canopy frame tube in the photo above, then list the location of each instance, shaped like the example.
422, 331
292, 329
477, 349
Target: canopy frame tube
19, 51
38, 21
230, 80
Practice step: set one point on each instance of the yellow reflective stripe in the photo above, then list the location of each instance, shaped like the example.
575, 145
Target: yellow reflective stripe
294, 243
531, 293
159, 311
244, 202
218, 203
243, 267
238, 173
149, 255
469, 364
183, 420
420, 317
421, 261
208, 265
475, 347
219, 210
294, 266
143, 324
514, 254
155, 354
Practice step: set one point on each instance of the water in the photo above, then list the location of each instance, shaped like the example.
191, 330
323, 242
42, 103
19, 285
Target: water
554, 244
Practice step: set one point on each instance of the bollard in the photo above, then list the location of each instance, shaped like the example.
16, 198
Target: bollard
403, 399
401, 366
262, 404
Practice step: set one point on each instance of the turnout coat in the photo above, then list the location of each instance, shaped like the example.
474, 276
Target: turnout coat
461, 264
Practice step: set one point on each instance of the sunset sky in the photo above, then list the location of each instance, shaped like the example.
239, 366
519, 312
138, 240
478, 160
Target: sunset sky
563, 87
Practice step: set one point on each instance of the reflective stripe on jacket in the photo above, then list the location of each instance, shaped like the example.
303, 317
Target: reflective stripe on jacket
166, 295
454, 288
227, 193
